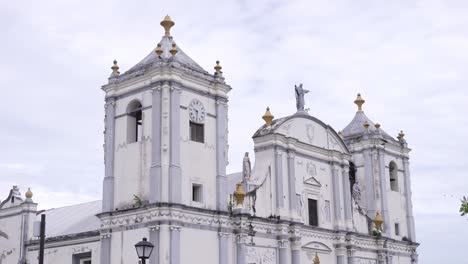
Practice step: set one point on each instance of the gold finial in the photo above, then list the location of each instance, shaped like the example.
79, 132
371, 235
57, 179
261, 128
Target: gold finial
167, 23
115, 67
366, 125
378, 221
359, 101
268, 117
159, 50
316, 259
173, 50
377, 125
218, 67
239, 194
28, 193
401, 135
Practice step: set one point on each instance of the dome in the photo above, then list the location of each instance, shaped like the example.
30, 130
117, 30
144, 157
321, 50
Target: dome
361, 124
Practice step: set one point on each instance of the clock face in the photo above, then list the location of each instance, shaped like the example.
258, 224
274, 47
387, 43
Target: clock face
197, 111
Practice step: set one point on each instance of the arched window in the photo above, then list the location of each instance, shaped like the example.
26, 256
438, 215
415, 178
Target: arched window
393, 172
352, 176
134, 122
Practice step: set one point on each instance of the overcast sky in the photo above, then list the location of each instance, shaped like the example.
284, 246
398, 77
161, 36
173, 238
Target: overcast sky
409, 59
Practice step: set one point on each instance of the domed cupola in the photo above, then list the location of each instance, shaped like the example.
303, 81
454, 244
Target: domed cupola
361, 126
166, 53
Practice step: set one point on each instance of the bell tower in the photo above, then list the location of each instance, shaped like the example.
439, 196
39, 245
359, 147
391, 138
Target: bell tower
160, 114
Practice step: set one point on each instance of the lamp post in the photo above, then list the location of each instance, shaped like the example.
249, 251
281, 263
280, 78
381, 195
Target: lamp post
144, 249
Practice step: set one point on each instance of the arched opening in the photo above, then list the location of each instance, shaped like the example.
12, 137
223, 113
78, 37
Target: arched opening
393, 172
352, 176
134, 122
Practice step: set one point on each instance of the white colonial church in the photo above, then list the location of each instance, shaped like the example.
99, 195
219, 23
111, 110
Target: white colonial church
312, 196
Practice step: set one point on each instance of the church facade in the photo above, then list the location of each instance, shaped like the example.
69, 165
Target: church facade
313, 195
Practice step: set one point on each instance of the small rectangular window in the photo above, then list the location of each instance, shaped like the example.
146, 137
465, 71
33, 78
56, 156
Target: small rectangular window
197, 193
397, 229
197, 132
313, 212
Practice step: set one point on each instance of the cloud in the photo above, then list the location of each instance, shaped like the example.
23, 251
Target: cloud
408, 59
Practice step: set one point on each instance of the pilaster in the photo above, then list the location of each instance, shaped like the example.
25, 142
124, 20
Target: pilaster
155, 170
108, 183
409, 204
336, 196
283, 246
223, 243
241, 248
221, 142
341, 255
296, 252
370, 193
347, 198
292, 182
105, 248
175, 181
352, 256
154, 238
279, 178
383, 195
175, 244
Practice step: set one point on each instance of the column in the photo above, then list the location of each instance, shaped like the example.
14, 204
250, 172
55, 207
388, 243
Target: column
296, 252
223, 248
389, 259
341, 255
283, 251
351, 256
409, 204
347, 198
155, 170
221, 141
105, 248
381, 257
336, 195
370, 195
279, 179
292, 182
175, 181
154, 238
387, 228
175, 244
241, 248
108, 184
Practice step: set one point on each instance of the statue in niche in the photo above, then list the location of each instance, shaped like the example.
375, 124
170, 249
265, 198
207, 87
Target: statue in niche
356, 193
246, 169
300, 97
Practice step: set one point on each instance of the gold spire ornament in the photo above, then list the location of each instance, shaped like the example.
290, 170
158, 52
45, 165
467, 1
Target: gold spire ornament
218, 67
401, 135
239, 194
268, 117
366, 125
378, 221
359, 102
377, 125
167, 24
159, 50
115, 67
316, 259
28, 193
173, 50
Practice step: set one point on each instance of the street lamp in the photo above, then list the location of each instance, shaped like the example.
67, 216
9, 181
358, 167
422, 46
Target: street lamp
144, 249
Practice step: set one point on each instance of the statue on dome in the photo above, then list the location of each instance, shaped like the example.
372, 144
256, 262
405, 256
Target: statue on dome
300, 97
246, 168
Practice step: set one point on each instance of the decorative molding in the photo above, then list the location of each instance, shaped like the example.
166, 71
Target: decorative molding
264, 255
317, 246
